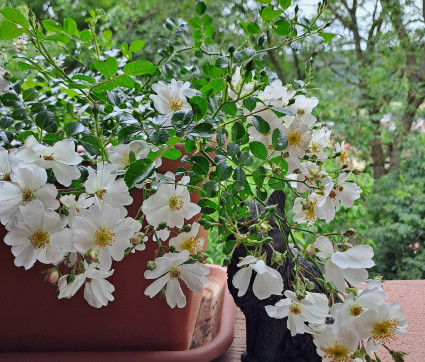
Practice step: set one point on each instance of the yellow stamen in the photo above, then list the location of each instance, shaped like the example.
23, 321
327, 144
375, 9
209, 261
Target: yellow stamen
176, 103
40, 239
100, 193
295, 308
175, 272
337, 353
176, 202
104, 237
192, 245
27, 195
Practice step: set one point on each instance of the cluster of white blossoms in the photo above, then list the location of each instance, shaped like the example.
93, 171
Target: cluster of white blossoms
82, 231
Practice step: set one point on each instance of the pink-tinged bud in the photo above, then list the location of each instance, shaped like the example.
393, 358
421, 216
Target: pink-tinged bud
137, 238
310, 250
52, 276
264, 227
91, 255
416, 245
410, 246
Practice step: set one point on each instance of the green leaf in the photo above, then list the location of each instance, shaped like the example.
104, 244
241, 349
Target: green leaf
284, 4
259, 176
200, 8
91, 144
124, 81
239, 174
45, 120
279, 111
238, 131
9, 31
74, 128
327, 36
63, 38
84, 78
228, 247
267, 2
52, 25
201, 166
140, 67
137, 45
108, 68
15, 16
224, 171
258, 150
69, 26
230, 109
279, 140
138, 172
281, 27
172, 154
269, 14
203, 130
181, 120
249, 103
85, 35
207, 20
127, 134
109, 86
261, 125
253, 28
199, 107
211, 187
195, 23
207, 206
29, 95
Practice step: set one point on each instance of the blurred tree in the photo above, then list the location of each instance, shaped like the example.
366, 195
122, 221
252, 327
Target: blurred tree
379, 68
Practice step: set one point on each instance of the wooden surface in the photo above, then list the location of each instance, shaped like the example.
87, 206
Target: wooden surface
411, 296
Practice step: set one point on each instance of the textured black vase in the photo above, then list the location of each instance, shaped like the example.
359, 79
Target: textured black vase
268, 339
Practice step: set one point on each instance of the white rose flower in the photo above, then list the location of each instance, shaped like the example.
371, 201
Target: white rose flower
107, 189
61, 158
28, 184
348, 265
340, 148
169, 269
170, 204
41, 235
335, 346
8, 161
381, 325
276, 93
188, 241
102, 229
305, 209
312, 309
267, 281
171, 98
319, 141
272, 120
4, 79
303, 107
355, 306
298, 139
120, 155
97, 290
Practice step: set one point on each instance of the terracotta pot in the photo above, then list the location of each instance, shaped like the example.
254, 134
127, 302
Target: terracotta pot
33, 319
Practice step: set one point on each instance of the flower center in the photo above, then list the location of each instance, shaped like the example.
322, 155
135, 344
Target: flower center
355, 310
343, 157
176, 202
126, 159
176, 103
332, 194
295, 138
192, 245
316, 147
300, 112
27, 195
295, 308
175, 272
104, 237
338, 353
384, 331
48, 158
100, 193
40, 239
6, 177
